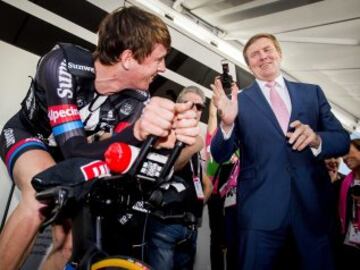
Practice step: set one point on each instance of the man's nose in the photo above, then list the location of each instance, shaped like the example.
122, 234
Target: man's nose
262, 54
162, 66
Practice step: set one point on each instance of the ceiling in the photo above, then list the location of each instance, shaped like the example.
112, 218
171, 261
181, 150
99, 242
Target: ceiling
320, 39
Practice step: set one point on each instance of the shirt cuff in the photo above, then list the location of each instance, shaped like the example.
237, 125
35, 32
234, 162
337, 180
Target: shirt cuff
226, 135
316, 151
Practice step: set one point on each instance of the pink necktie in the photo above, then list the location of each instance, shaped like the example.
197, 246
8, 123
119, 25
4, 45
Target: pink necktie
278, 106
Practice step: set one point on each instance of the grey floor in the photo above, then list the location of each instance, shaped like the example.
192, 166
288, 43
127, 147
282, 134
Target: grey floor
202, 261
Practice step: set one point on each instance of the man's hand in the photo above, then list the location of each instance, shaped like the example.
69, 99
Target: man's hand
302, 136
332, 166
165, 119
188, 152
186, 124
156, 119
167, 142
227, 109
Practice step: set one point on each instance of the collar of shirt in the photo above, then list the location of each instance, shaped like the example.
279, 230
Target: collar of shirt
280, 87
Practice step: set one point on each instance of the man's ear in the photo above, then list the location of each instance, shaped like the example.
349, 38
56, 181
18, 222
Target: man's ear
126, 58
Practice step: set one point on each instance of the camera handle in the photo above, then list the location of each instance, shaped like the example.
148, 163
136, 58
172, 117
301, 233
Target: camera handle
145, 148
171, 161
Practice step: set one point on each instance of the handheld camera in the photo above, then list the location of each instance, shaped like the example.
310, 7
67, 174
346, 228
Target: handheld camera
226, 78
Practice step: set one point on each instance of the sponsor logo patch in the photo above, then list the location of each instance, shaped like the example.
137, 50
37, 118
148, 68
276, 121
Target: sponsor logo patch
126, 108
81, 67
65, 82
9, 137
94, 169
63, 113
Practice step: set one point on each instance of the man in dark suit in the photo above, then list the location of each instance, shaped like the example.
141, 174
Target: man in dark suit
284, 131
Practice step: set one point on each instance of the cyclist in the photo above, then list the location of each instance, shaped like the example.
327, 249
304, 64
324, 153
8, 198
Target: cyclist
77, 105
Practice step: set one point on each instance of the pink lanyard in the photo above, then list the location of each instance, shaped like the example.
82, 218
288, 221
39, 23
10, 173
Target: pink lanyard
232, 181
344, 189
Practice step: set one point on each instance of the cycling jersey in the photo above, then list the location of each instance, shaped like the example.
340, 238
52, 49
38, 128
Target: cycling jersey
63, 111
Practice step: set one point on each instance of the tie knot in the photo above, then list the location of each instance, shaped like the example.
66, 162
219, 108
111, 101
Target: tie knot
270, 84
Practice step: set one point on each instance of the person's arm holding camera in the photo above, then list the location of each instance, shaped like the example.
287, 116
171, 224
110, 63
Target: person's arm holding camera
188, 152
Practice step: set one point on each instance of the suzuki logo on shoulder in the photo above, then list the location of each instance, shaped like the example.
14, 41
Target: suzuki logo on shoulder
63, 113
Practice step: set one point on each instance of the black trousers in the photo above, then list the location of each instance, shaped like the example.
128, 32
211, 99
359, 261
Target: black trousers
217, 232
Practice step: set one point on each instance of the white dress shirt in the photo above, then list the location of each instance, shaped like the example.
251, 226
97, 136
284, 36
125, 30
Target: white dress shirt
280, 87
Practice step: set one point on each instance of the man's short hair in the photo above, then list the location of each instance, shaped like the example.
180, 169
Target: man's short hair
255, 38
191, 89
130, 28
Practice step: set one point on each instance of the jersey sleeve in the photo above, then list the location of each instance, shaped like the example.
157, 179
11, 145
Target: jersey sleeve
67, 127
59, 86
79, 147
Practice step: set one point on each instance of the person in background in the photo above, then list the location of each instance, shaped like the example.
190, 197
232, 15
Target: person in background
349, 208
221, 204
77, 105
284, 131
215, 204
172, 230
332, 165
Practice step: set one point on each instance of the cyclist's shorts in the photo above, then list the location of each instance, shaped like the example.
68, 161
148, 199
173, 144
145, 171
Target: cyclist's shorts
15, 139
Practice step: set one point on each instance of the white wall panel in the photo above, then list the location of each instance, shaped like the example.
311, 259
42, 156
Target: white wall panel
15, 67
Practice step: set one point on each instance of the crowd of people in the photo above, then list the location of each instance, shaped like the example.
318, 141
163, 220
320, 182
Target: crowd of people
272, 153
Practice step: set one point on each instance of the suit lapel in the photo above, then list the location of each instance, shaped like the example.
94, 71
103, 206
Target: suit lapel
255, 94
295, 97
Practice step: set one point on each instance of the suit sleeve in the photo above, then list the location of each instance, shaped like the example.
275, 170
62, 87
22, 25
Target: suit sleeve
335, 139
221, 149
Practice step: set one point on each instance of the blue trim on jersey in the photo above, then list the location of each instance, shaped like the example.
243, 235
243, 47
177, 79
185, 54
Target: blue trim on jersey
69, 126
31, 145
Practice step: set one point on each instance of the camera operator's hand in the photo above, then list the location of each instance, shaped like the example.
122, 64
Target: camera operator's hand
188, 152
227, 108
156, 119
186, 123
167, 142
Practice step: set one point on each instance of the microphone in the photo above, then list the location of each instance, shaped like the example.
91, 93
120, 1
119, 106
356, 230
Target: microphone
120, 158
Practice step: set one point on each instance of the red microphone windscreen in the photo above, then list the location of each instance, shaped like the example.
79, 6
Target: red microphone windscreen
118, 157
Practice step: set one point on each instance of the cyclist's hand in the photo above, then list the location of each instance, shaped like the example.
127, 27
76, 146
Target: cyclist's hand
186, 123
156, 119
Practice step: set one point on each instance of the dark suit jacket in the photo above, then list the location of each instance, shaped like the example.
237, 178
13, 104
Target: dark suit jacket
271, 172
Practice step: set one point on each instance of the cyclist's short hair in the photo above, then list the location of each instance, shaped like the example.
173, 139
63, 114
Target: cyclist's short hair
130, 28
